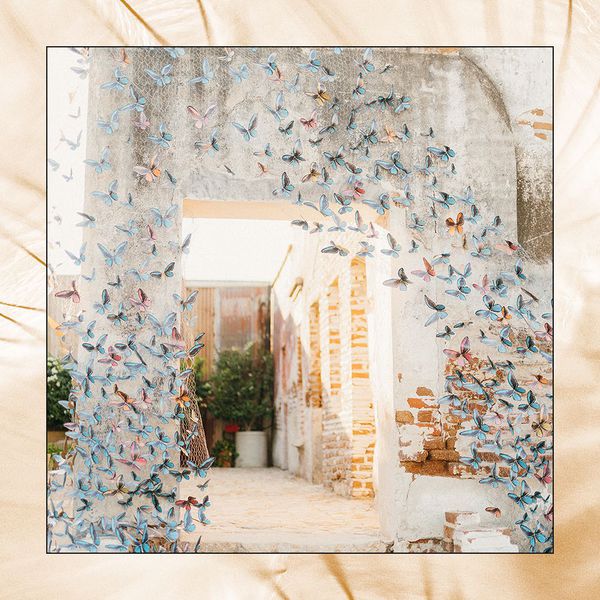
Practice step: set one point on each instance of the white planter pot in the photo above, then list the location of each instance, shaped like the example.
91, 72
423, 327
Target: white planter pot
251, 447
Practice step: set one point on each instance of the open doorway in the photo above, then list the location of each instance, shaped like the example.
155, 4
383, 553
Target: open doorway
256, 289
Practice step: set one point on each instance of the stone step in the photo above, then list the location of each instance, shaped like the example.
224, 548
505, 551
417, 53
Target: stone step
283, 542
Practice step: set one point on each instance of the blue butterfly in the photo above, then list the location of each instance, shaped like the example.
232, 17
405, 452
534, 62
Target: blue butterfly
313, 62
174, 52
366, 65
242, 73
380, 205
119, 82
111, 125
113, 258
163, 78
104, 304
492, 308
403, 105
187, 303
110, 196
286, 186
480, 428
279, 112
166, 219
163, 138
168, 271
80, 258
335, 159
250, 131
139, 102
270, 66
102, 164
444, 153
207, 74
130, 229
439, 311
164, 328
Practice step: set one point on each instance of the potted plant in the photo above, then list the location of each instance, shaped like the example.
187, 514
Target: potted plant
242, 394
224, 453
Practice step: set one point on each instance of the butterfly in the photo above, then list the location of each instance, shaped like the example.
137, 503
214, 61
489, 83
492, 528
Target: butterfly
428, 273
201, 120
480, 428
295, 156
163, 138
286, 186
270, 66
174, 52
118, 83
98, 346
141, 302
321, 96
416, 223
333, 248
168, 271
462, 356
249, 131
279, 112
113, 258
77, 259
366, 249
139, 102
439, 311
427, 168
142, 121
445, 153
165, 219
163, 77
212, 146
365, 64
71, 294
403, 104
110, 196
359, 89
207, 74
130, 229
119, 317
468, 197
300, 223
360, 226
462, 289
102, 164
287, 129
239, 75
111, 125
455, 226
164, 328
104, 304
380, 205
187, 303
149, 173
313, 63
394, 247
401, 282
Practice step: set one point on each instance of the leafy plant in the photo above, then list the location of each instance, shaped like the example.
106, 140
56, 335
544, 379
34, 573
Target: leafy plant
58, 387
203, 389
242, 387
224, 453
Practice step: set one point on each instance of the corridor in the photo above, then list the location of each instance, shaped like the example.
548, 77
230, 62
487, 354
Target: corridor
269, 510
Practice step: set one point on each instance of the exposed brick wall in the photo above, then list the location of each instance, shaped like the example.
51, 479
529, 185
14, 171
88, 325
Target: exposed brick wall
363, 418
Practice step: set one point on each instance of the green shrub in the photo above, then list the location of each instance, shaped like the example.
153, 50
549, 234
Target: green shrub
224, 453
242, 387
58, 387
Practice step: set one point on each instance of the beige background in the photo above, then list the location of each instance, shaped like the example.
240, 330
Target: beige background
27, 26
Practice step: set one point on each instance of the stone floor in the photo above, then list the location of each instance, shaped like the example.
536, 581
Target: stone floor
268, 510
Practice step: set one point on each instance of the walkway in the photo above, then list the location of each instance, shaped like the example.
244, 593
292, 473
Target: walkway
268, 510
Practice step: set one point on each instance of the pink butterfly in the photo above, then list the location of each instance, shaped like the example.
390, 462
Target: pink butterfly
484, 288
142, 122
136, 460
73, 294
142, 301
201, 120
112, 357
428, 273
463, 356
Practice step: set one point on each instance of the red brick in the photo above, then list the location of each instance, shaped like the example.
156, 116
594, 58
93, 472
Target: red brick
429, 467
425, 416
423, 391
447, 455
404, 416
417, 403
433, 443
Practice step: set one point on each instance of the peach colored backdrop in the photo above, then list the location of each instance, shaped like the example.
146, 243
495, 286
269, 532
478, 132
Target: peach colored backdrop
27, 26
